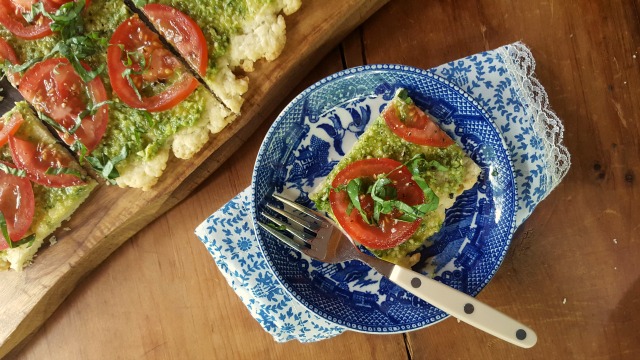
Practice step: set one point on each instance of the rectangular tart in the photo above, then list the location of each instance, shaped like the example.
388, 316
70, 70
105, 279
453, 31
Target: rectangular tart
452, 173
53, 205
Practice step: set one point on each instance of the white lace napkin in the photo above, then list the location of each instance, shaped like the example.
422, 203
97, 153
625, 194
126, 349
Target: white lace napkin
503, 82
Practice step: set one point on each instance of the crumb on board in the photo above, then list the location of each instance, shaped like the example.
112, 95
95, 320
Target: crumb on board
66, 228
458, 320
564, 301
615, 241
53, 240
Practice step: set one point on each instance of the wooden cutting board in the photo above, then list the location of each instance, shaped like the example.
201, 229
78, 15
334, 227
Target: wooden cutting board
111, 215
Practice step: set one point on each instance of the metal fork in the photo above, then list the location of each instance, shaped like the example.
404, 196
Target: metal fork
325, 241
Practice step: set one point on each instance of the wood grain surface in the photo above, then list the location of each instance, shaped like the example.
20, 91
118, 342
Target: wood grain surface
111, 215
571, 273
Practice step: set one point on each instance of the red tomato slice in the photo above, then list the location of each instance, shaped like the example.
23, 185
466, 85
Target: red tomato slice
37, 159
17, 204
10, 128
389, 232
416, 126
11, 17
183, 33
133, 37
54, 88
7, 53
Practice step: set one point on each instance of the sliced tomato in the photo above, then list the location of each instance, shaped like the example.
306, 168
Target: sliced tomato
11, 17
413, 125
10, 127
36, 159
389, 232
54, 88
7, 53
17, 204
183, 33
130, 44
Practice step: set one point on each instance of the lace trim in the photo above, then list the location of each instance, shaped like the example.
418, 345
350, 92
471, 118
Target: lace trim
521, 64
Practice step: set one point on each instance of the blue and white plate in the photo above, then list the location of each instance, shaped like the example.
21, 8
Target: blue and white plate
312, 134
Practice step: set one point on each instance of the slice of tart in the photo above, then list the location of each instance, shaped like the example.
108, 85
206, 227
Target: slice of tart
237, 33
157, 106
41, 185
391, 190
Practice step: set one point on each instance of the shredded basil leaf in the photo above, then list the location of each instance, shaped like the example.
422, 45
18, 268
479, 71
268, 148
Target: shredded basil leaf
403, 95
12, 171
419, 165
5, 232
131, 58
79, 148
106, 166
65, 171
354, 189
91, 110
8, 67
127, 75
54, 124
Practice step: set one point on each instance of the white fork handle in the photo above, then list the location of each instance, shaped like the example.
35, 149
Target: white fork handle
464, 307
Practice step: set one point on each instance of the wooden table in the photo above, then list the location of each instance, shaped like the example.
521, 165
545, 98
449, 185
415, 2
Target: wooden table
571, 273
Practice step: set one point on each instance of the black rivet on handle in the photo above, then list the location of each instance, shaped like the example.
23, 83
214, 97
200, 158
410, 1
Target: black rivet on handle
521, 334
415, 282
468, 308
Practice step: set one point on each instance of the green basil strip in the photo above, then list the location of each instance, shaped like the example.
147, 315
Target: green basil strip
80, 149
354, 188
418, 165
19, 68
52, 122
12, 171
63, 171
382, 191
78, 121
127, 75
28, 240
106, 166
380, 204
148, 118
5, 232
430, 197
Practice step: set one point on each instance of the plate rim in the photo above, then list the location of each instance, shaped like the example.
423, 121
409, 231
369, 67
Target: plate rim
366, 69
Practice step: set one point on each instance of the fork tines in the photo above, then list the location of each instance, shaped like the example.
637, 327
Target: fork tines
307, 222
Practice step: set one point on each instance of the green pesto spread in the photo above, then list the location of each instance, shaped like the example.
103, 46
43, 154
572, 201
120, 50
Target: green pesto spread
29, 49
378, 141
142, 133
104, 16
52, 205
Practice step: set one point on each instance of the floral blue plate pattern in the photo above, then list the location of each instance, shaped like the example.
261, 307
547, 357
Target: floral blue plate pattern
311, 135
